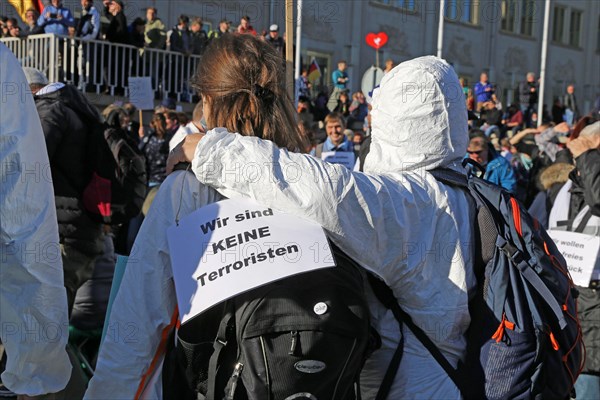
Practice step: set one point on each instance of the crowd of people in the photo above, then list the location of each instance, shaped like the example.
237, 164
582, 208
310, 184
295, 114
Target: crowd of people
392, 142
188, 36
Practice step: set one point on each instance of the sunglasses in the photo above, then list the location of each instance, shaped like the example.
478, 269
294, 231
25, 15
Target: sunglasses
478, 152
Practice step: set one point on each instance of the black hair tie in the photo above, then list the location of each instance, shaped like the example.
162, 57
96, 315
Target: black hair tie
266, 95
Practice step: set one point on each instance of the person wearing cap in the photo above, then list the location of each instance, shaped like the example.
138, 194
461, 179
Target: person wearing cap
275, 40
497, 168
56, 19
223, 30
32, 294
245, 28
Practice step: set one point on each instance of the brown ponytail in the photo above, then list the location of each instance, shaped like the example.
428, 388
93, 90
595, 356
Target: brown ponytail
242, 79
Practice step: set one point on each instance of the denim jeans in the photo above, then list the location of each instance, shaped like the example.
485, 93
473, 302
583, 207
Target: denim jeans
587, 387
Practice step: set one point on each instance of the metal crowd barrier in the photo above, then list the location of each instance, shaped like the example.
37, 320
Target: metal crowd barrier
103, 67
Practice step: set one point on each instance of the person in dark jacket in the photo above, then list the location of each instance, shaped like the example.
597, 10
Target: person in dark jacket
32, 27
528, 97
199, 38
178, 38
117, 32
577, 207
66, 116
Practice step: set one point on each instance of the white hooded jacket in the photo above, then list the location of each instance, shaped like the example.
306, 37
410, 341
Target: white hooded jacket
33, 301
398, 222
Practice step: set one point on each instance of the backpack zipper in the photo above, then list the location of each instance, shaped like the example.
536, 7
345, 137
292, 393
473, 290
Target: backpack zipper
237, 371
264, 351
294, 335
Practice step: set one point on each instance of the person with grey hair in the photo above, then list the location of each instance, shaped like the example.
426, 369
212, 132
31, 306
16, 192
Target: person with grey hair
528, 97
577, 209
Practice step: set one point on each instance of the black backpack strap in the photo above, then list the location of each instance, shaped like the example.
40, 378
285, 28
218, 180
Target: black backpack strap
586, 218
219, 345
385, 295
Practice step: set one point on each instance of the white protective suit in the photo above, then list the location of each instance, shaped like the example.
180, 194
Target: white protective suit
395, 220
401, 224
33, 300
143, 310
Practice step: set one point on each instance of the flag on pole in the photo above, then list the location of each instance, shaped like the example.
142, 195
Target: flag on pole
314, 72
23, 5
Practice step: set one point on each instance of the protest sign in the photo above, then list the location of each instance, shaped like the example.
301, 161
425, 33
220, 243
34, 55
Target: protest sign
141, 94
580, 251
232, 246
346, 158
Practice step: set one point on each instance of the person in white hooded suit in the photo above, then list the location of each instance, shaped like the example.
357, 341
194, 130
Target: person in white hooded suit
395, 219
33, 301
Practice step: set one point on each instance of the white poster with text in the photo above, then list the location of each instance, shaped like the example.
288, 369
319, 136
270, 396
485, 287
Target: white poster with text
581, 253
346, 158
229, 247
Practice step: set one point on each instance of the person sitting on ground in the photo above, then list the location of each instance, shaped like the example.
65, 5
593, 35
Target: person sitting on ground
335, 127
497, 168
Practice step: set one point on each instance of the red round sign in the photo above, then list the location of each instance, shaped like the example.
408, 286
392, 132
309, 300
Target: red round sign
377, 40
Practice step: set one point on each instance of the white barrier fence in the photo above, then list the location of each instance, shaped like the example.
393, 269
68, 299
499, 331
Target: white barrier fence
104, 67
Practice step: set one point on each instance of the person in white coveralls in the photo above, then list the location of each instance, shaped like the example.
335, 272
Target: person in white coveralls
33, 302
395, 219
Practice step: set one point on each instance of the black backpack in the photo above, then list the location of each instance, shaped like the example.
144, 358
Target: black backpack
118, 183
303, 337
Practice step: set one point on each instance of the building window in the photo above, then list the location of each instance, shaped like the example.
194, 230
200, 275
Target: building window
575, 28
598, 38
405, 4
528, 13
466, 11
518, 16
509, 15
558, 24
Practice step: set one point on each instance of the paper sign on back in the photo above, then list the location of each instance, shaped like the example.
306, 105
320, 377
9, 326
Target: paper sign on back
580, 252
232, 246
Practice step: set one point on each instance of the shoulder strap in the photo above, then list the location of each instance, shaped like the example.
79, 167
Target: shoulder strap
219, 345
586, 218
385, 295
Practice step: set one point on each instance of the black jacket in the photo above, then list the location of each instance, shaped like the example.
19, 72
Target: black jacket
65, 116
586, 191
117, 30
588, 165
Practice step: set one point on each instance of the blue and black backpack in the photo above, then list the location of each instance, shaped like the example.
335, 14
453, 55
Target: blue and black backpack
524, 341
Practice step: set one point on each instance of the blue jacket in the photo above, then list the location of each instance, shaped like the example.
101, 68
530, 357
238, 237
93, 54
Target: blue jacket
481, 95
55, 25
499, 171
